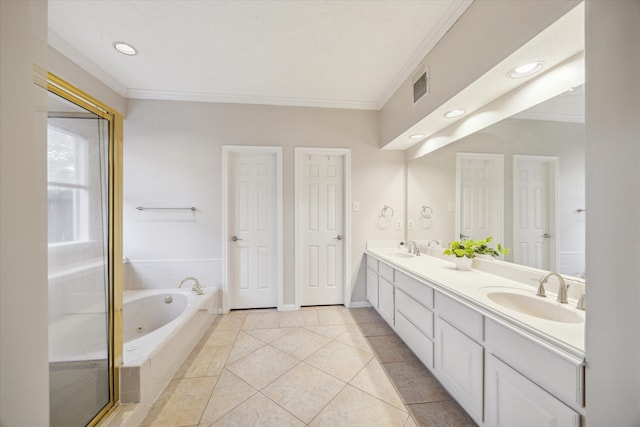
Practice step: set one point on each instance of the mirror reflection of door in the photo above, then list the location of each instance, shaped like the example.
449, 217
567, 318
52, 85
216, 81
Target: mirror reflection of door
534, 214
480, 196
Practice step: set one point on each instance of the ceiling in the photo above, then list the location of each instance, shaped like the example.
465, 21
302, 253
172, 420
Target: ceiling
342, 54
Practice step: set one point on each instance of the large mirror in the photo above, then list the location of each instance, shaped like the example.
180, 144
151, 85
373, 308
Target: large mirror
520, 180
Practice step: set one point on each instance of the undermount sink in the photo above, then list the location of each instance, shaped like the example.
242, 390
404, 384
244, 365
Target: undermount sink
397, 253
540, 307
400, 254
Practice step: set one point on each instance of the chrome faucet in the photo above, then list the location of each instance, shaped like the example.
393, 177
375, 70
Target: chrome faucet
562, 288
195, 287
412, 243
435, 242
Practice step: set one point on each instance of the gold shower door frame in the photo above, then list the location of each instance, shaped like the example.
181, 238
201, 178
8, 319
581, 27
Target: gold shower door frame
69, 92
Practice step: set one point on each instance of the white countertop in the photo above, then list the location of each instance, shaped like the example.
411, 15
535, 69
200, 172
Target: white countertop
473, 286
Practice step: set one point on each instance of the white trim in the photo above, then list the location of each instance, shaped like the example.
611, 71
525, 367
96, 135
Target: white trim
346, 155
360, 304
552, 199
251, 99
226, 150
453, 13
288, 307
498, 160
59, 44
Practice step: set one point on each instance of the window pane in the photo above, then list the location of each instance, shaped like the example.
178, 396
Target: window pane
62, 157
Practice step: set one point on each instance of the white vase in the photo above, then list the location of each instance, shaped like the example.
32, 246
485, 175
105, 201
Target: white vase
463, 263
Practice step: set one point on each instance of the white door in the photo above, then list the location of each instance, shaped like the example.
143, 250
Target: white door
480, 196
534, 211
320, 228
252, 228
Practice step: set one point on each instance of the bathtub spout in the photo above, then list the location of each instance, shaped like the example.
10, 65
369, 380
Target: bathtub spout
195, 287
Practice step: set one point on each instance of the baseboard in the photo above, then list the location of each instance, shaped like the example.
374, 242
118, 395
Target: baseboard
288, 307
359, 304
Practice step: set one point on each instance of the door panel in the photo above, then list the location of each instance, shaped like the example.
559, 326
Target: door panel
320, 228
533, 214
253, 227
480, 196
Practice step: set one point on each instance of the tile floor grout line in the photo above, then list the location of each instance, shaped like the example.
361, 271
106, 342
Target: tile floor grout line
393, 383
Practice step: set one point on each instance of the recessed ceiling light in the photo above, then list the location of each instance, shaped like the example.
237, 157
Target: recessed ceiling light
417, 136
125, 48
525, 70
454, 113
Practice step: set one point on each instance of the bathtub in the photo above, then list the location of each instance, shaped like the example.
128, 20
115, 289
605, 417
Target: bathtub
160, 328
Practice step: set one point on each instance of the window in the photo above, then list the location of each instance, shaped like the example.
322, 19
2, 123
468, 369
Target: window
68, 186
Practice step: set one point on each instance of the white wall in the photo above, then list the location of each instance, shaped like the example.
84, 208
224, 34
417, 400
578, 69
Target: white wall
172, 157
613, 210
24, 368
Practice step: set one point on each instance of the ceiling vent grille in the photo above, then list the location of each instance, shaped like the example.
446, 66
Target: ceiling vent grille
421, 85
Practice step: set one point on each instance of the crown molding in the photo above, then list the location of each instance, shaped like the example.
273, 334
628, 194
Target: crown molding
454, 12
550, 117
249, 99
56, 42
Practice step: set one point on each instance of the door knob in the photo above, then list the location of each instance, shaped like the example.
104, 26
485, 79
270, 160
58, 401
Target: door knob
235, 238
338, 238
546, 235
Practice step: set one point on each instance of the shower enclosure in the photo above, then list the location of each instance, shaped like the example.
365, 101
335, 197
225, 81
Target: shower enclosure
82, 279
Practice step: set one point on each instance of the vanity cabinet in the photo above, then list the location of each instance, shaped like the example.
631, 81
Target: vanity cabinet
414, 316
459, 358
514, 400
502, 375
380, 288
372, 281
386, 300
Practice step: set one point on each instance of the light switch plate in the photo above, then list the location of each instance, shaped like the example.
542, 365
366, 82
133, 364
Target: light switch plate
399, 224
410, 224
356, 206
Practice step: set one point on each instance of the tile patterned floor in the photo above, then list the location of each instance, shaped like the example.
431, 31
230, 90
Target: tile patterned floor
320, 366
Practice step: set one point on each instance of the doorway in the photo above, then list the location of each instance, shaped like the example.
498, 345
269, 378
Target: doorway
534, 211
322, 228
252, 227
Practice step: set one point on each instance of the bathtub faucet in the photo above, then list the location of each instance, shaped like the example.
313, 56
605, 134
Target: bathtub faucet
195, 287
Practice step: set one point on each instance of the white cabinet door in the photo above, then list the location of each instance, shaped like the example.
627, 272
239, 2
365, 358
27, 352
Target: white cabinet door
459, 366
372, 287
513, 400
385, 300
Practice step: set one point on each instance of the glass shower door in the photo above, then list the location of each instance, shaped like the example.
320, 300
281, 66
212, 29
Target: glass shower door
78, 226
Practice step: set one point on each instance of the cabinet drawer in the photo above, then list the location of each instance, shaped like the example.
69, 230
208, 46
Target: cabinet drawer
415, 289
415, 312
385, 271
462, 317
559, 373
421, 346
372, 263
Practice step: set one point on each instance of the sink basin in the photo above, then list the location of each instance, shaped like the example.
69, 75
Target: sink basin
396, 253
532, 305
402, 254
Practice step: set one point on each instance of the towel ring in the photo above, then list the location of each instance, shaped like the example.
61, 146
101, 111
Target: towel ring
384, 210
426, 212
